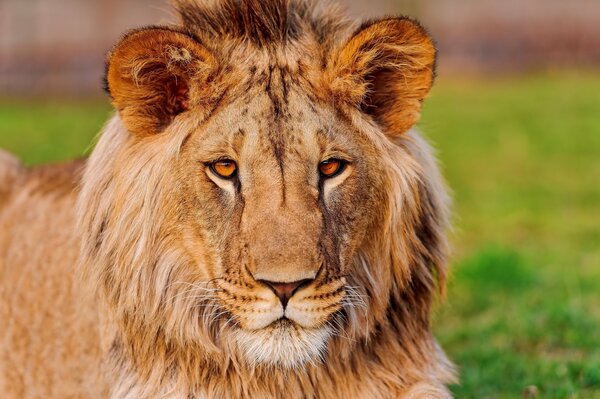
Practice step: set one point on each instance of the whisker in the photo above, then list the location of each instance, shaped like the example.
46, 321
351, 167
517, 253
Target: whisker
192, 294
194, 287
338, 330
227, 321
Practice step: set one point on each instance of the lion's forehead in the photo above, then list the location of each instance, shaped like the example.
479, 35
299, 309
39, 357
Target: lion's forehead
272, 122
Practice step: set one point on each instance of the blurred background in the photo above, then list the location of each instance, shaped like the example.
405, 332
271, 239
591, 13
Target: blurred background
515, 115
58, 46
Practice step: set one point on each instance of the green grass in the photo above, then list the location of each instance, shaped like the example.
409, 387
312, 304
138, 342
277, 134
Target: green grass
523, 158
42, 131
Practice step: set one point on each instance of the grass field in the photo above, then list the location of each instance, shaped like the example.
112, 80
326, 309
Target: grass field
523, 158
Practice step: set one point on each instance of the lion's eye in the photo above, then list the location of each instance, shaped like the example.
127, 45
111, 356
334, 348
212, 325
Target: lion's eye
332, 167
225, 169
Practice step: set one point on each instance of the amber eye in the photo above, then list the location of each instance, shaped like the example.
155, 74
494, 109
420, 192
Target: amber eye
332, 167
225, 169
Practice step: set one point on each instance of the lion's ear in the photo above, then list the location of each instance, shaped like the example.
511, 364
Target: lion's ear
154, 74
386, 69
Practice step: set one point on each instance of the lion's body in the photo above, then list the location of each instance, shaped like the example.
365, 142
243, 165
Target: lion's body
163, 283
49, 334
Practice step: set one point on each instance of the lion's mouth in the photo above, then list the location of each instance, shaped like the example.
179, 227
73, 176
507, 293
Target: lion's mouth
283, 323
286, 335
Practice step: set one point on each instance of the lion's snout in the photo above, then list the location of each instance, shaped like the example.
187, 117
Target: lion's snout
282, 250
284, 291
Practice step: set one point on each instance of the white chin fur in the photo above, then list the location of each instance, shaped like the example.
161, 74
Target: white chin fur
283, 345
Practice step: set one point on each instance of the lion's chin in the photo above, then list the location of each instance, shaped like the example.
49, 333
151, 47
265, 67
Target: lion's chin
283, 344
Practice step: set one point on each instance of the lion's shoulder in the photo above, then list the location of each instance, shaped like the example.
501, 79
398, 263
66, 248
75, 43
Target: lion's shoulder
64, 176
10, 170
53, 179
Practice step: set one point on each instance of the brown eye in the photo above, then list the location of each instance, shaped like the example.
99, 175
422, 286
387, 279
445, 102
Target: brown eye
226, 169
332, 167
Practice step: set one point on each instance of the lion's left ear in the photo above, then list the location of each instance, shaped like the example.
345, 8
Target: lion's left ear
387, 69
156, 73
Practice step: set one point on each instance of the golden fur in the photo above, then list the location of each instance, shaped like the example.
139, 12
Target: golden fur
174, 296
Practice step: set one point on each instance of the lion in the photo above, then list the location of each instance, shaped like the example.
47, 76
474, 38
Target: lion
259, 219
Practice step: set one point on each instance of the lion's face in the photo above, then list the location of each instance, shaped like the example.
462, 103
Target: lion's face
260, 200
283, 201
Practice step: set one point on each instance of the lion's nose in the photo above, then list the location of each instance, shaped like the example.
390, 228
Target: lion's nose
285, 290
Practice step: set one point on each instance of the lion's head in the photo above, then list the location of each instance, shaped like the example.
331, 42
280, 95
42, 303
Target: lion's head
259, 197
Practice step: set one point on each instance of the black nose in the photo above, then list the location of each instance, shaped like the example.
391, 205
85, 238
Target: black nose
285, 290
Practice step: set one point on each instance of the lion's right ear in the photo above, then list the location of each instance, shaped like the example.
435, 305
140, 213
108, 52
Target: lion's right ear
154, 74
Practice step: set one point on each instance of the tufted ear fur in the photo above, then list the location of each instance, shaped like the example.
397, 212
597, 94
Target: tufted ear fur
386, 68
154, 74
